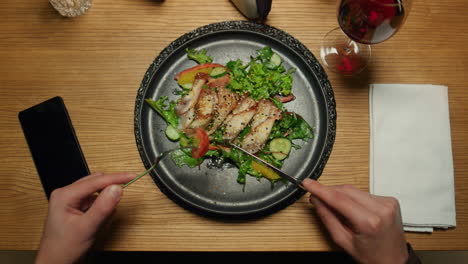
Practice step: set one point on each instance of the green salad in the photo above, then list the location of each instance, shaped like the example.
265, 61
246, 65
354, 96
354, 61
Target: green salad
242, 103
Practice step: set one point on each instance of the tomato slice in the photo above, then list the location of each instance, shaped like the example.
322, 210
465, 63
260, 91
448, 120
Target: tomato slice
286, 99
203, 143
211, 147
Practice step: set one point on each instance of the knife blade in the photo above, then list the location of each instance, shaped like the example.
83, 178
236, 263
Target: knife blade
281, 173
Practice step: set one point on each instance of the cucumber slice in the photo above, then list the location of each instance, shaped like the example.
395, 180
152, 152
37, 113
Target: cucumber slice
280, 148
172, 133
218, 72
275, 59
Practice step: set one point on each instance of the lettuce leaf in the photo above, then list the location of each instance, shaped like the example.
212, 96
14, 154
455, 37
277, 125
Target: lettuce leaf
181, 157
166, 111
199, 56
259, 78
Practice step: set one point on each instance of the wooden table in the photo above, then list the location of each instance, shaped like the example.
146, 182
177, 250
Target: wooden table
96, 63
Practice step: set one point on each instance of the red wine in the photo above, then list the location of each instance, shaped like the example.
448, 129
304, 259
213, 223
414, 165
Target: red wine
370, 21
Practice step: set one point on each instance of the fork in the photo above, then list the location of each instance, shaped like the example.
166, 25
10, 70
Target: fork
156, 161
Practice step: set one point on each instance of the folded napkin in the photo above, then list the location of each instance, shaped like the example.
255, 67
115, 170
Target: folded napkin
411, 153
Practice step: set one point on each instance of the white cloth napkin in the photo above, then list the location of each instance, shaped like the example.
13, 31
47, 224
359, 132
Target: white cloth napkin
411, 153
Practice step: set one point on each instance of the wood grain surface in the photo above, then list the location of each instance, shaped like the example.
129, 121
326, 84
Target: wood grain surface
96, 63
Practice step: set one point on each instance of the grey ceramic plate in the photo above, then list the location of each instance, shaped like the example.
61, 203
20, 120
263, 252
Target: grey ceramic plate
215, 192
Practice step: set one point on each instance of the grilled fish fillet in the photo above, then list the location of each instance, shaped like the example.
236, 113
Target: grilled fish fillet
256, 139
204, 108
239, 118
244, 104
186, 118
266, 108
185, 108
261, 125
227, 101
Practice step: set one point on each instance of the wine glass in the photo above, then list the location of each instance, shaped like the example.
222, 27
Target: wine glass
346, 49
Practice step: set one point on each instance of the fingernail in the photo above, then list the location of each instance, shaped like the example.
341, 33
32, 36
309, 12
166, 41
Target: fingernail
307, 181
116, 191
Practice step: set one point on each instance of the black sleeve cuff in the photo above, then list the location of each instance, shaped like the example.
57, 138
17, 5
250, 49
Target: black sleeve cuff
412, 258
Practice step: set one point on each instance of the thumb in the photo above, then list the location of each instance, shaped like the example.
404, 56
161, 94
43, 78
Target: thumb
104, 205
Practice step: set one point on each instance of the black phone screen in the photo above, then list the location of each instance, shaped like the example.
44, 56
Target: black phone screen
54, 147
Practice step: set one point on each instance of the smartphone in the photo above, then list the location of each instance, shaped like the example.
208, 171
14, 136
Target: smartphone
53, 144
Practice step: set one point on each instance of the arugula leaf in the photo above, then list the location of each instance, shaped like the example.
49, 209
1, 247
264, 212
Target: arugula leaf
212, 153
168, 113
244, 133
244, 164
292, 126
278, 103
302, 130
236, 68
217, 136
270, 159
241, 178
199, 56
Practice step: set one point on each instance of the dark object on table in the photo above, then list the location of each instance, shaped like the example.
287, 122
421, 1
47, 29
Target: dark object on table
54, 147
253, 9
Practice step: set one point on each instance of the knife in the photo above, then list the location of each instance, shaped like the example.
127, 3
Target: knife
281, 173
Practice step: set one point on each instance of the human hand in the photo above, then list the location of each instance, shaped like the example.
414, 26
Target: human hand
75, 215
366, 226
